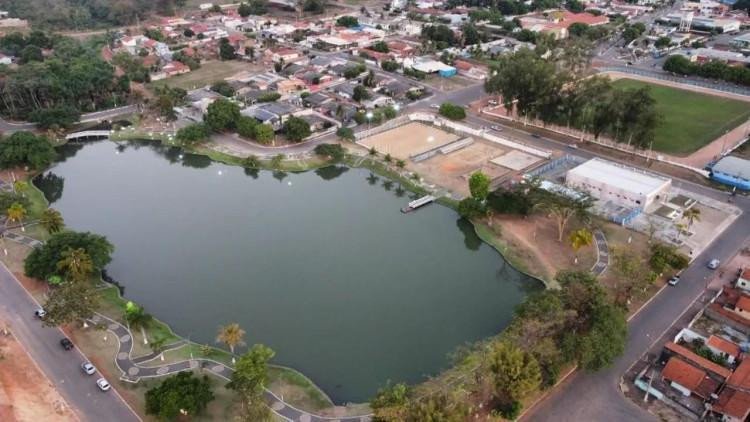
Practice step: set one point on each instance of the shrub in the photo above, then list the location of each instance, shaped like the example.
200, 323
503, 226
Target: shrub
335, 151
452, 111
193, 134
246, 127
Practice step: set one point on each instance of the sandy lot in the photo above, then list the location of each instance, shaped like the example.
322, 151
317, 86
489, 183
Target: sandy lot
409, 139
25, 393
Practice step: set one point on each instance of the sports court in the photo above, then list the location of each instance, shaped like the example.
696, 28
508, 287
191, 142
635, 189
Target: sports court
408, 140
515, 160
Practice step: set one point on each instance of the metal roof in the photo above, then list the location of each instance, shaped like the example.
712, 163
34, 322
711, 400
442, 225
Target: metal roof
624, 178
733, 166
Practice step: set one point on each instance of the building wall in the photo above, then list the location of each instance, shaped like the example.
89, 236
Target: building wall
605, 192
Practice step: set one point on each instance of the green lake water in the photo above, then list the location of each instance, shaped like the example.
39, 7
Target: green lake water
321, 266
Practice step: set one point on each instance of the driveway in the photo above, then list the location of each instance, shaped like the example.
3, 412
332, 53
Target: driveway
61, 367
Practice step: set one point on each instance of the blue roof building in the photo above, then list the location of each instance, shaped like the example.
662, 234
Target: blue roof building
732, 171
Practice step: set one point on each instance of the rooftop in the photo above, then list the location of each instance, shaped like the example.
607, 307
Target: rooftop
733, 403
741, 376
733, 166
624, 178
725, 346
699, 361
683, 373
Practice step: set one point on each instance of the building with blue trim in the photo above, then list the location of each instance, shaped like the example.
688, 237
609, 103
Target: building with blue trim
732, 171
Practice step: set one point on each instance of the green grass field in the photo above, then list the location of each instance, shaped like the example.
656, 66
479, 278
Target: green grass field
690, 119
208, 73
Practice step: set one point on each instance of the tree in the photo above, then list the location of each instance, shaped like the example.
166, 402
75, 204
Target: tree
223, 87
246, 126
76, 264
452, 111
381, 47
296, 129
662, 42
55, 117
264, 133
16, 213
244, 10
177, 394
347, 21
360, 93
575, 6
578, 29
70, 302
390, 402
52, 220
479, 186
334, 151
389, 65
26, 149
691, 215
221, 115
580, 238
42, 261
345, 133
20, 187
226, 51
471, 208
633, 275
471, 35
232, 335
665, 256
136, 316
258, 7
193, 134
251, 371
31, 53
313, 6
604, 341
516, 373
563, 208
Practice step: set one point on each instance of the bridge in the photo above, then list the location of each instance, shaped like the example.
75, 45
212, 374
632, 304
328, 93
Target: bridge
87, 134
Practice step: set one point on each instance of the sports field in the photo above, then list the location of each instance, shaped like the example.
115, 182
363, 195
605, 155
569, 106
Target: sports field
690, 119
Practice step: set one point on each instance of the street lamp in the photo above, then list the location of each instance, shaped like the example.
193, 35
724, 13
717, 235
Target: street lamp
369, 118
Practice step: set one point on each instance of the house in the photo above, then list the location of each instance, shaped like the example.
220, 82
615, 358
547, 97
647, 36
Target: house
557, 22
171, 69
716, 370
743, 280
471, 70
401, 49
377, 101
426, 65
316, 100
288, 86
281, 54
343, 112
734, 399
721, 346
687, 379
345, 90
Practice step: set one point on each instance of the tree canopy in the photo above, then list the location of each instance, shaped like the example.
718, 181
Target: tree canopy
452, 111
222, 115
182, 392
26, 149
42, 261
296, 129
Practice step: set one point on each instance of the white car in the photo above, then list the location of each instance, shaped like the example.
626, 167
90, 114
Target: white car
434, 106
102, 384
496, 128
40, 313
713, 264
88, 368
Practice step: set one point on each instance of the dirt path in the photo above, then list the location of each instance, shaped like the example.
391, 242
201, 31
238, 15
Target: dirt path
25, 393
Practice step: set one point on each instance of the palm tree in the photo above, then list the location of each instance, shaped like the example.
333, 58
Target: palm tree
231, 335
20, 187
373, 151
400, 164
691, 215
157, 345
137, 318
580, 238
16, 213
76, 263
52, 220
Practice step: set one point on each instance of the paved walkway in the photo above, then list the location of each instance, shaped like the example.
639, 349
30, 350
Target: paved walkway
602, 253
132, 371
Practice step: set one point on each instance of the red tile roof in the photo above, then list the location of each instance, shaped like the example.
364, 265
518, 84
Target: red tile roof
724, 345
683, 373
743, 303
741, 376
746, 274
733, 403
699, 361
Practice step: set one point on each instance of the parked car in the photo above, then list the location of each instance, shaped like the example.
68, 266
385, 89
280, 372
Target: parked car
713, 264
40, 313
674, 280
88, 368
103, 384
434, 106
496, 128
536, 135
66, 343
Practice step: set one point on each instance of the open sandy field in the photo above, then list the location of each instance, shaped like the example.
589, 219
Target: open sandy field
25, 393
408, 140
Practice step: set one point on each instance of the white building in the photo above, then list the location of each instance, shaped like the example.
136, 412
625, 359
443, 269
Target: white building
626, 186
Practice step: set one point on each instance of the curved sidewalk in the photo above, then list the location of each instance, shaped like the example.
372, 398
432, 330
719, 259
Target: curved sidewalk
602, 253
133, 371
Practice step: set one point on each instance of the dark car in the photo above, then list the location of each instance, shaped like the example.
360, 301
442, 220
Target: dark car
66, 343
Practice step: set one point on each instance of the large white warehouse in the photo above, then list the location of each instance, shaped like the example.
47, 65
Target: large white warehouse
626, 186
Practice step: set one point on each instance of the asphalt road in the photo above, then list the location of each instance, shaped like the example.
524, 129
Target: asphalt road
10, 127
60, 366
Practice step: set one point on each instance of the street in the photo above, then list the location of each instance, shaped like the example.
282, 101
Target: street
61, 366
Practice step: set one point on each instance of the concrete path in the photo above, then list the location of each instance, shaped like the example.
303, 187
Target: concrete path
24, 240
602, 253
132, 371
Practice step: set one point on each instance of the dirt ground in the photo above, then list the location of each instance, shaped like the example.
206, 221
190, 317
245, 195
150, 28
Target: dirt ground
25, 393
409, 139
452, 170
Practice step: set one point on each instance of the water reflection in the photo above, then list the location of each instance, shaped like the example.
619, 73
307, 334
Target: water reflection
471, 240
52, 186
331, 172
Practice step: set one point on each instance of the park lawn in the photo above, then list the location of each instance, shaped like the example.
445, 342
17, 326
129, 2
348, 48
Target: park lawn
690, 119
208, 73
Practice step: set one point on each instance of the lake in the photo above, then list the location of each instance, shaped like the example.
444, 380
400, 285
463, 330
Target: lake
321, 266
